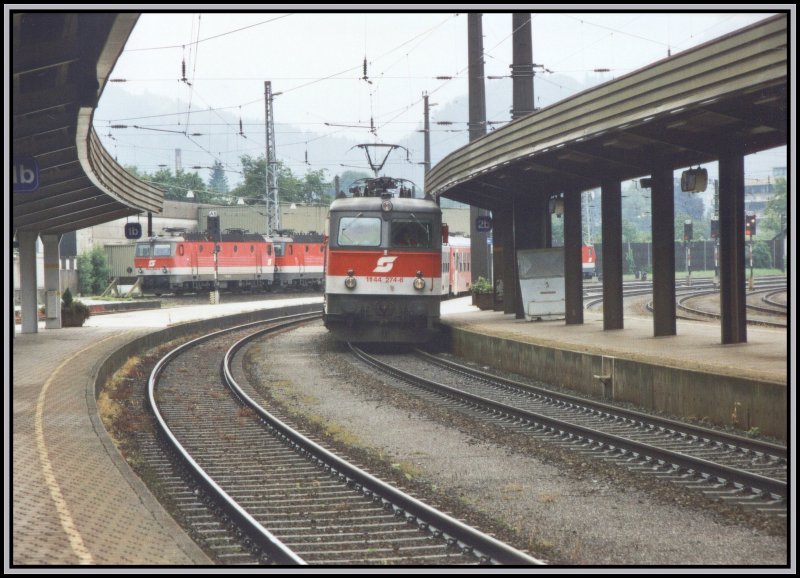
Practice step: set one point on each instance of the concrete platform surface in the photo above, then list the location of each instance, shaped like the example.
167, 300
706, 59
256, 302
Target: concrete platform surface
75, 500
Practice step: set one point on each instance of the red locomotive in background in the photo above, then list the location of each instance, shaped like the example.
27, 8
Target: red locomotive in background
185, 262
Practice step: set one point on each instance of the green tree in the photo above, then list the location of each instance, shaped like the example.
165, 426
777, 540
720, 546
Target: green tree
93, 271
175, 186
775, 213
218, 183
312, 188
254, 182
316, 189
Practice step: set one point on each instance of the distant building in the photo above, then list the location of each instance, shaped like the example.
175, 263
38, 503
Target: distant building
757, 193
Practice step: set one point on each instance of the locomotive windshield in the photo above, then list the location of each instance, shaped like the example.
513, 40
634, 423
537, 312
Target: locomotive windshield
359, 232
153, 249
412, 232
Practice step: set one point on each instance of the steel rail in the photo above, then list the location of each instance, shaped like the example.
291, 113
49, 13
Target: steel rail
700, 433
485, 547
592, 436
279, 552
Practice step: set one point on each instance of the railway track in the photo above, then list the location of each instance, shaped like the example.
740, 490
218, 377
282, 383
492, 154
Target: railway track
700, 301
731, 468
261, 492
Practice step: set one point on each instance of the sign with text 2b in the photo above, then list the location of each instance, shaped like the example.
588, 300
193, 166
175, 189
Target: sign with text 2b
483, 224
26, 174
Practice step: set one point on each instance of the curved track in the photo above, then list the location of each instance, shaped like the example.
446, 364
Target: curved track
292, 501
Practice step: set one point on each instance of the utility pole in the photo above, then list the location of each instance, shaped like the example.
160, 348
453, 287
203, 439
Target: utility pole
273, 211
522, 68
477, 128
427, 130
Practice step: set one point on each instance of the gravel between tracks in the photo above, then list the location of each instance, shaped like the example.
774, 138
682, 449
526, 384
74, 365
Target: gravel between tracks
558, 505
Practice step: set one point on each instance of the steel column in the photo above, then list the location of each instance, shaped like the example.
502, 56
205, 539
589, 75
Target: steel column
573, 259
530, 232
611, 210
503, 233
732, 270
662, 210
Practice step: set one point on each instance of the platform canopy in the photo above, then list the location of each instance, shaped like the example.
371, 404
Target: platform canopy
64, 179
728, 95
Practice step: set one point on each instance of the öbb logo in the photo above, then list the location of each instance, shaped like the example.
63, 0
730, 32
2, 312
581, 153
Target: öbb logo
385, 265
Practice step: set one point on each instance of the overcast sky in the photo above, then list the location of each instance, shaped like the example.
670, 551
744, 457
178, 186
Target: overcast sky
315, 61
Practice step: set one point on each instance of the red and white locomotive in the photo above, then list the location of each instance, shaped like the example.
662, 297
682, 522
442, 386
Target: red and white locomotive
383, 263
185, 262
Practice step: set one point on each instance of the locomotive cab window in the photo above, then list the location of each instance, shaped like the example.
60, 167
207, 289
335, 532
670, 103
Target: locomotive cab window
359, 232
143, 250
412, 232
162, 250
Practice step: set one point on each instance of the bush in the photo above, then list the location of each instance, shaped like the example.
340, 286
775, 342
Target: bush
482, 285
762, 258
73, 313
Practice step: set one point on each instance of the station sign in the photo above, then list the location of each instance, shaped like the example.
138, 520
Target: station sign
133, 231
483, 224
26, 174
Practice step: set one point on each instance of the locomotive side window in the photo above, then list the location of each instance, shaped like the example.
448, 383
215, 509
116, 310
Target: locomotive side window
412, 232
200, 248
359, 232
180, 250
164, 250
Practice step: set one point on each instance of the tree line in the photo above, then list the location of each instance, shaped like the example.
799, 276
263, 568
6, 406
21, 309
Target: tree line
314, 187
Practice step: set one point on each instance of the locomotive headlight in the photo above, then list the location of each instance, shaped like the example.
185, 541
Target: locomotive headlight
141, 272
386, 206
350, 282
419, 282
164, 270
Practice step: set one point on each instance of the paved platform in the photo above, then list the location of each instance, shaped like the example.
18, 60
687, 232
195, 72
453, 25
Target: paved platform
75, 501
697, 343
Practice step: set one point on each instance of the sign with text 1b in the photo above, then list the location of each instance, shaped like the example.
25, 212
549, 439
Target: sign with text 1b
26, 174
483, 224
133, 231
